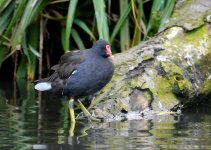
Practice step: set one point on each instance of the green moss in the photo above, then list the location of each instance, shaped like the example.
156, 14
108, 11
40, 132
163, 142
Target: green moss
163, 93
199, 40
148, 95
171, 69
191, 39
188, 16
137, 82
174, 74
193, 36
120, 106
206, 88
123, 91
133, 83
147, 56
169, 85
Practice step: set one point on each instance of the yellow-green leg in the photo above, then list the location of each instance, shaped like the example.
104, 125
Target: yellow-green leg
72, 116
86, 112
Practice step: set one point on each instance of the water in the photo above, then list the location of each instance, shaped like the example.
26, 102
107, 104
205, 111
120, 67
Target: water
26, 122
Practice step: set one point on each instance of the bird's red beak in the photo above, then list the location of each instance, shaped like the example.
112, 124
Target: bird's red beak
108, 51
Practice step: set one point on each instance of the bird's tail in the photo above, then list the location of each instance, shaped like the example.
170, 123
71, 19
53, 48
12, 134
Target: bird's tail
43, 86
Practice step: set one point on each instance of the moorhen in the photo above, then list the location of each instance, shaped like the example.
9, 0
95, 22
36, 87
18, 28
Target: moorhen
80, 73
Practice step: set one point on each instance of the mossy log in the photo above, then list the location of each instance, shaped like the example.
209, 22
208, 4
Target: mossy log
165, 73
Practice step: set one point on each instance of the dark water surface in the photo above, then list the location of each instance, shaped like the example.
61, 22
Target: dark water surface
27, 122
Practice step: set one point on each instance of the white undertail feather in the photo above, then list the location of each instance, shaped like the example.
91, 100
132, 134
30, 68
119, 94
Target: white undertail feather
43, 86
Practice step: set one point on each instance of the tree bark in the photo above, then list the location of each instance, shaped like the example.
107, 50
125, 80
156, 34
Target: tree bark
170, 71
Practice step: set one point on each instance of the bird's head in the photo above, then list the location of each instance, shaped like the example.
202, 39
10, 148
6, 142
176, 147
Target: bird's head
102, 48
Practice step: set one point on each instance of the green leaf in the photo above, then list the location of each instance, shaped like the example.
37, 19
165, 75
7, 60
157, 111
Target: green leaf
15, 18
22, 68
4, 4
134, 15
101, 17
124, 30
155, 16
63, 33
34, 51
33, 8
77, 39
6, 17
138, 19
33, 46
30, 42
169, 7
83, 26
120, 22
25, 48
70, 18
3, 52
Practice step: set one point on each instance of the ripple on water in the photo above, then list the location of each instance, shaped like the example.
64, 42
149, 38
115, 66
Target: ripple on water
31, 127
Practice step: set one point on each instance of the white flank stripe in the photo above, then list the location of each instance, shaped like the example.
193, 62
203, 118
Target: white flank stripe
74, 71
43, 86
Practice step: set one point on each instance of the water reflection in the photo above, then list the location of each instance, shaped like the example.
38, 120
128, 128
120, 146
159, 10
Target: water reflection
27, 122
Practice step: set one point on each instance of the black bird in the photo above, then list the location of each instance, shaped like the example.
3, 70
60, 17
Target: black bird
80, 73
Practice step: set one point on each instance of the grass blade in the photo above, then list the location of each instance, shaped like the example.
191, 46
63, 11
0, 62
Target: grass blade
30, 43
22, 66
4, 4
32, 10
138, 19
5, 17
124, 30
63, 34
70, 18
101, 17
134, 15
3, 53
33, 46
83, 26
155, 16
121, 22
77, 39
167, 11
17, 14
34, 52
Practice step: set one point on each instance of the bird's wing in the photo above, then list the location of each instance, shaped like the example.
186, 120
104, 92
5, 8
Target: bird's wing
55, 67
68, 63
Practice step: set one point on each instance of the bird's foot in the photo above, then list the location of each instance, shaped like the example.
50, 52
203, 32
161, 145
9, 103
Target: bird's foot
87, 114
91, 118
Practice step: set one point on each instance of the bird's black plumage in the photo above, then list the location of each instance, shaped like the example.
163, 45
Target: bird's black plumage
80, 73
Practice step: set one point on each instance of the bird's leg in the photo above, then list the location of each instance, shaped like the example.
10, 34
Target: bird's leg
86, 112
72, 116
71, 110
